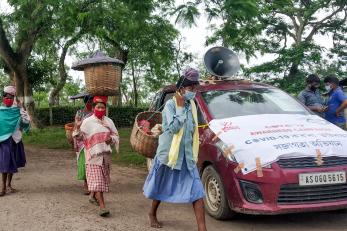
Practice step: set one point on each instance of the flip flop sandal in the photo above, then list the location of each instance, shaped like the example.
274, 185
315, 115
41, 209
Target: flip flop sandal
86, 193
103, 212
93, 201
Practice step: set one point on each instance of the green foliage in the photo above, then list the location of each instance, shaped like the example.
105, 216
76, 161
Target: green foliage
41, 98
292, 87
287, 29
121, 116
61, 115
284, 28
4, 80
41, 71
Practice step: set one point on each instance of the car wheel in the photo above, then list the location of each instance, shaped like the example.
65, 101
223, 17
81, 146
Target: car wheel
149, 163
216, 203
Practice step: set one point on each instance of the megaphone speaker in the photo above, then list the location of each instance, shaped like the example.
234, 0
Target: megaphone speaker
221, 62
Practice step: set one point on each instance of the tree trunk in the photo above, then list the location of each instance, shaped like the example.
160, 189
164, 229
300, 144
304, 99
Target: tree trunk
19, 83
136, 95
24, 92
30, 104
54, 96
50, 115
123, 56
293, 72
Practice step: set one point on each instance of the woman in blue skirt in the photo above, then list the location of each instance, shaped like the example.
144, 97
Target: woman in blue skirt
12, 119
174, 176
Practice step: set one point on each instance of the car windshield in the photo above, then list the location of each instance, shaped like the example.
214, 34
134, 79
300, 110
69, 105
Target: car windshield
231, 103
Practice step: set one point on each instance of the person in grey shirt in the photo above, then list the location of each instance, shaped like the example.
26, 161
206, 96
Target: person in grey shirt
311, 97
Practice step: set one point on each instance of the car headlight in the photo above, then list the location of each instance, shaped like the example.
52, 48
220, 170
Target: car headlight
225, 150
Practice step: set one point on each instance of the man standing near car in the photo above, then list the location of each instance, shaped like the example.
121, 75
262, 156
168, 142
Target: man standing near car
337, 102
311, 96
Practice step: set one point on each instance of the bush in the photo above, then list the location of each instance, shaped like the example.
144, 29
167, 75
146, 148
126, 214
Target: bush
121, 116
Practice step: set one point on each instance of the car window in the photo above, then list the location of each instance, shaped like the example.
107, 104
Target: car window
201, 119
224, 104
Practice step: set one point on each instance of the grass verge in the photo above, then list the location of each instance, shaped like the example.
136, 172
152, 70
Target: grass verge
54, 138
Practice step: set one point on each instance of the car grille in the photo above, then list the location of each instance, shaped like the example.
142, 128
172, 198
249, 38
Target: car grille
295, 194
310, 162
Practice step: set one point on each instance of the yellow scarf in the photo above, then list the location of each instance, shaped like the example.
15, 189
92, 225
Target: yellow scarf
176, 140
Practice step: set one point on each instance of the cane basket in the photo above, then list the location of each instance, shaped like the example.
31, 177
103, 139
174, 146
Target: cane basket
68, 132
141, 142
103, 79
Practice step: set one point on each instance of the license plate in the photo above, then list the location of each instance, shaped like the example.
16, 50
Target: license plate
322, 178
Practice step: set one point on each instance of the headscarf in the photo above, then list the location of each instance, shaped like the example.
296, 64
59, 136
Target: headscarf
190, 76
10, 90
100, 99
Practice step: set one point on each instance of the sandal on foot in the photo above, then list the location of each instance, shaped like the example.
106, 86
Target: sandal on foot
93, 201
87, 193
2, 193
103, 212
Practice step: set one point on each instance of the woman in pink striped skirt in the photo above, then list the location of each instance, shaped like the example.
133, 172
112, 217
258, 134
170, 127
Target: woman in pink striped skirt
99, 134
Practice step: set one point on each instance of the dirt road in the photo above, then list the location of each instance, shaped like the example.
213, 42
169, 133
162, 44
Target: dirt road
49, 198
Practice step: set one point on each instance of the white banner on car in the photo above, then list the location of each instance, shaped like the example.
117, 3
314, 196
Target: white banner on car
274, 136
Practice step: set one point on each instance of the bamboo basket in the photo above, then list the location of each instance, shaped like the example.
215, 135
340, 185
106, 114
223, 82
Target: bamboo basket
141, 142
68, 132
103, 79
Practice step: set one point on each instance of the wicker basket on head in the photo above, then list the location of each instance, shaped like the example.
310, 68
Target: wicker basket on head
68, 132
103, 79
102, 73
141, 142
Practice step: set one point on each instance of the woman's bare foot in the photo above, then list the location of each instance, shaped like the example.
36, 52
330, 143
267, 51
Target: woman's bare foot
154, 223
11, 190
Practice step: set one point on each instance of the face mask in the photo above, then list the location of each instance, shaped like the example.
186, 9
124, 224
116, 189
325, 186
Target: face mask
189, 95
89, 106
327, 87
99, 114
8, 102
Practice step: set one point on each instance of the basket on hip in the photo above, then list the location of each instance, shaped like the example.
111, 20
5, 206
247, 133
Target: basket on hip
68, 132
103, 79
142, 142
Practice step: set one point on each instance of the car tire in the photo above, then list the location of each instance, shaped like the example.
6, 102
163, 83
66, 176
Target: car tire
149, 163
216, 203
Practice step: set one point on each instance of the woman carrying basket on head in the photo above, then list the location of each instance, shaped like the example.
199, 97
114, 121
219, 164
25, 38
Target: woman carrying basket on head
79, 142
174, 176
13, 119
99, 134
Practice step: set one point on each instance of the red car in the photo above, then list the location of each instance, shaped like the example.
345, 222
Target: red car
278, 191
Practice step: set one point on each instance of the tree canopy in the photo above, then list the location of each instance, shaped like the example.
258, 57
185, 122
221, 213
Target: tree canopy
37, 36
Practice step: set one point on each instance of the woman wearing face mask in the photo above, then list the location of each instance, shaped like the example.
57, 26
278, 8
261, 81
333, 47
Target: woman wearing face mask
78, 140
99, 134
13, 120
174, 176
